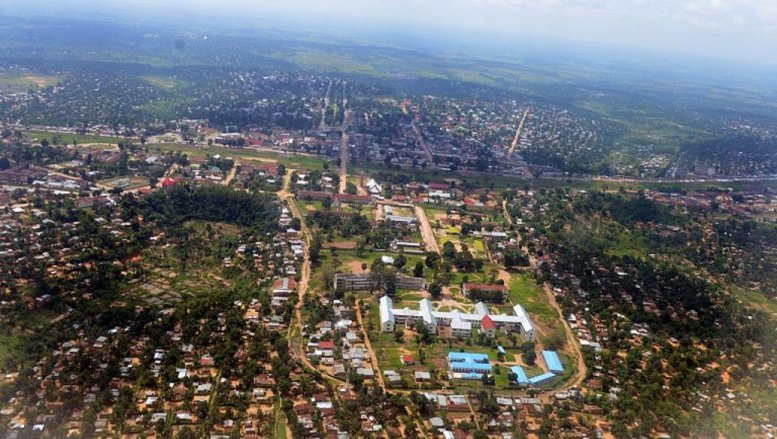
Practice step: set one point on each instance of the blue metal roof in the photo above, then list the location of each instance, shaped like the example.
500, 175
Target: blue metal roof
467, 357
501, 350
542, 378
518, 370
470, 366
471, 376
553, 362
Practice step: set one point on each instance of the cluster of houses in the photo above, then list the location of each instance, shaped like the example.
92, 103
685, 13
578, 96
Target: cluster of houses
337, 345
264, 177
191, 381
56, 245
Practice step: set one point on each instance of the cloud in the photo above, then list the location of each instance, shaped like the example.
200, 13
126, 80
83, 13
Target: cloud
733, 28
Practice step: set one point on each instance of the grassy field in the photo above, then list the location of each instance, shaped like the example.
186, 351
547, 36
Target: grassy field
525, 291
291, 161
12, 339
68, 138
279, 431
126, 182
163, 82
21, 81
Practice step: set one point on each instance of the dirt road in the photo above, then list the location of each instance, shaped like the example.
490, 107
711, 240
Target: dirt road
344, 162
426, 231
572, 342
426, 148
506, 213
231, 175
518, 133
373, 357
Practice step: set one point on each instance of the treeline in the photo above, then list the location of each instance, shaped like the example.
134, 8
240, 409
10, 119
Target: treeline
735, 153
208, 203
329, 222
626, 210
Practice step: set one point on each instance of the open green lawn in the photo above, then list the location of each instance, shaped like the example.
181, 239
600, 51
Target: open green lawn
279, 431
10, 346
67, 138
292, 161
308, 207
457, 278
14, 340
26, 80
754, 299
525, 291
126, 182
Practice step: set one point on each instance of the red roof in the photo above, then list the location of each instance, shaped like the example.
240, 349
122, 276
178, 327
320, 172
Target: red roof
167, 182
488, 323
407, 359
326, 345
439, 186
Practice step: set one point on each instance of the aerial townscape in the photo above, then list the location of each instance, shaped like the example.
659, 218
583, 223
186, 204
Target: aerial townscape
222, 232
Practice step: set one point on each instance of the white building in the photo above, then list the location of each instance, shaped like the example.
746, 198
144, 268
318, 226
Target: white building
373, 187
460, 324
386, 314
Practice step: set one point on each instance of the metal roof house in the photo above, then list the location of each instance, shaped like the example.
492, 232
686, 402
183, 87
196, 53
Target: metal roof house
541, 379
553, 362
521, 379
467, 362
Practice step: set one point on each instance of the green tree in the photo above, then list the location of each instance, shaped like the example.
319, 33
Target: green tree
418, 271
400, 261
556, 340
432, 259
435, 290
449, 250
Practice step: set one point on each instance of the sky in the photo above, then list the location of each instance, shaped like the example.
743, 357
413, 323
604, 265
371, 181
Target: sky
733, 29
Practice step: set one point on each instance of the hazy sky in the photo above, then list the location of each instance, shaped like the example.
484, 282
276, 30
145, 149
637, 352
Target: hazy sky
737, 29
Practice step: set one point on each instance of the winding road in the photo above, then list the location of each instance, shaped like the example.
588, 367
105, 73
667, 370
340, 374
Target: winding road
572, 343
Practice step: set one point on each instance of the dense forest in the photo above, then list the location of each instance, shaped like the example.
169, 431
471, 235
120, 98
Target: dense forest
208, 203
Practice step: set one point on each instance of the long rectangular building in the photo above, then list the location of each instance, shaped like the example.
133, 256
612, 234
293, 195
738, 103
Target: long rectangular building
464, 362
553, 362
365, 282
460, 323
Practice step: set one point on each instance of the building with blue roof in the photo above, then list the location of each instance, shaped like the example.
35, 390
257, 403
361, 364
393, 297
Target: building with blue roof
521, 379
541, 379
501, 350
465, 362
553, 362
471, 376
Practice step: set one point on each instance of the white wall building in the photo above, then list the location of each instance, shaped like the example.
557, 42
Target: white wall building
460, 323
